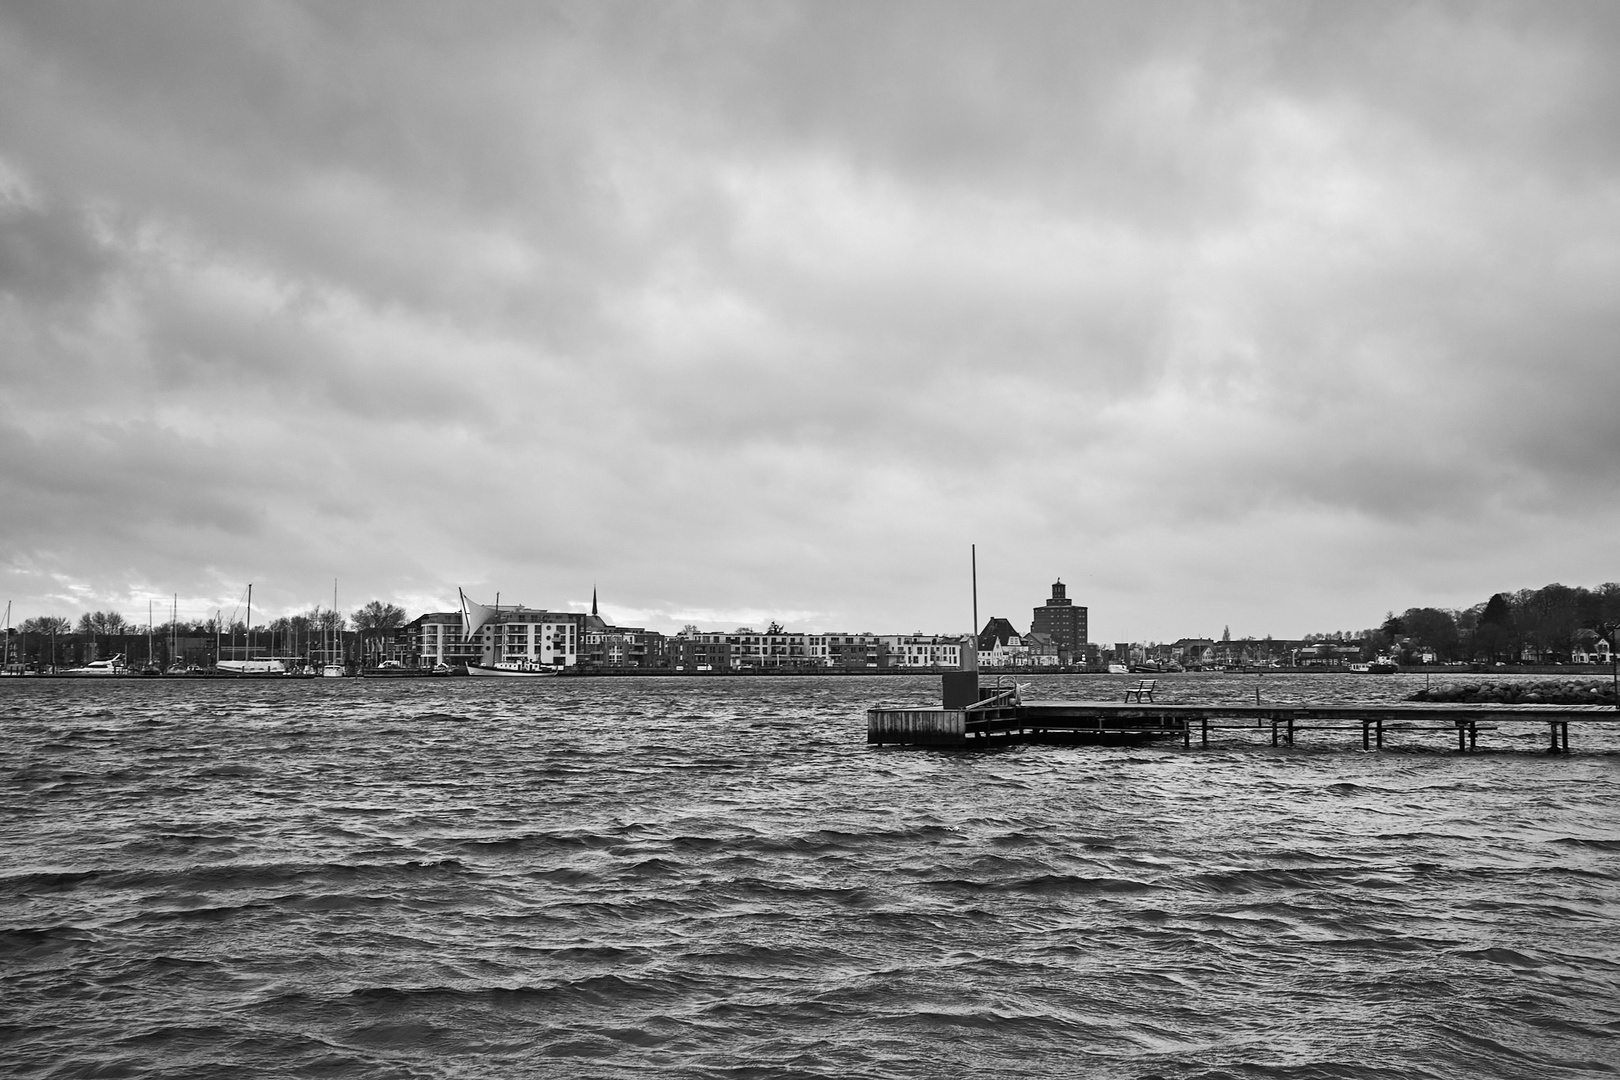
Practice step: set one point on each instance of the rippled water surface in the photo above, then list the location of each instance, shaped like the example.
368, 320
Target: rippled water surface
719, 878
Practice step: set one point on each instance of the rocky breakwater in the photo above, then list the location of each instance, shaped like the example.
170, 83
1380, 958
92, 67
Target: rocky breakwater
1546, 692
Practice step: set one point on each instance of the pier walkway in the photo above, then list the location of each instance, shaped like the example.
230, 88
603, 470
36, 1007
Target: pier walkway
1000, 720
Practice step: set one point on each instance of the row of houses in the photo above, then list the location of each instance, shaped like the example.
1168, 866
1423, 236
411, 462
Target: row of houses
569, 639
574, 640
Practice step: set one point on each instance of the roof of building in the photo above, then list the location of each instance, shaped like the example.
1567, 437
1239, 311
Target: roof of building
996, 632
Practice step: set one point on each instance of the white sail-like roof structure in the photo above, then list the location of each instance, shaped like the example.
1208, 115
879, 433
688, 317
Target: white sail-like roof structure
474, 617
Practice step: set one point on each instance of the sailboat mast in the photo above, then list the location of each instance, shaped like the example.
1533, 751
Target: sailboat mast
971, 661
247, 638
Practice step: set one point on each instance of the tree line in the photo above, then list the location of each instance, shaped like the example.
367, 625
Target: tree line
36, 639
1545, 625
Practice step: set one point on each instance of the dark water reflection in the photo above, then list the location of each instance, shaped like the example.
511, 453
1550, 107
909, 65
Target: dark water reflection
718, 878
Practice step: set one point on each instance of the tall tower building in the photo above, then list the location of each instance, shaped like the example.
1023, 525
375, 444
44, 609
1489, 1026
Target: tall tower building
1064, 622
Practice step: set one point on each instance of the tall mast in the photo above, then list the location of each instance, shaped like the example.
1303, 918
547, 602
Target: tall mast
971, 661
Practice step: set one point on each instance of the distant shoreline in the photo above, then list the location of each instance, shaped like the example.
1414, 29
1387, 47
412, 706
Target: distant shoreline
1504, 672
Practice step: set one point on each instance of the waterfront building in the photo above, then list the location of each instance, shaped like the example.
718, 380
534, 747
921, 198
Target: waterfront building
693, 653
436, 638
924, 650
603, 645
1000, 644
846, 652
1195, 653
550, 638
998, 633
1064, 622
754, 651
1041, 651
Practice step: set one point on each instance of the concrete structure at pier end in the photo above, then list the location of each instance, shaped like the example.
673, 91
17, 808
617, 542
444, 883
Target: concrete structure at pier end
1064, 622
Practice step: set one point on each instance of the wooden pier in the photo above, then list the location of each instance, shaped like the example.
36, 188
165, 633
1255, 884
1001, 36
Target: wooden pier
1001, 719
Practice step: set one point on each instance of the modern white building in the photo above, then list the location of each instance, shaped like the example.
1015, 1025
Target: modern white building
540, 637
924, 650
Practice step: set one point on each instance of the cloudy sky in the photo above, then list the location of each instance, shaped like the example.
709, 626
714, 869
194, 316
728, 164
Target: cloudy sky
1269, 316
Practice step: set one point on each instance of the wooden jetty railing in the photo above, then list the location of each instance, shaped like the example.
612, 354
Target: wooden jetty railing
1001, 720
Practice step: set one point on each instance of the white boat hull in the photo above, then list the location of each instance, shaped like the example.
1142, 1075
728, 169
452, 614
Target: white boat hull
99, 668
512, 671
251, 667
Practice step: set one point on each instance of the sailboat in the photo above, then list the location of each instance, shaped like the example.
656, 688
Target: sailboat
474, 617
333, 668
7, 667
176, 665
249, 666
150, 669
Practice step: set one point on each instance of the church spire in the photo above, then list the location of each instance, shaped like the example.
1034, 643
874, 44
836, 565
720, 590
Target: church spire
593, 600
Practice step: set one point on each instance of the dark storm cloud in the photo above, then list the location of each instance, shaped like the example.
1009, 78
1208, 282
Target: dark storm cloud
741, 305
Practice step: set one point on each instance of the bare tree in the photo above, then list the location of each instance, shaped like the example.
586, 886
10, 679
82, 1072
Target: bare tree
47, 624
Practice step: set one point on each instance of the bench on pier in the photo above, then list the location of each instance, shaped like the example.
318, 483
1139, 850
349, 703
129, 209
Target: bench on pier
1142, 687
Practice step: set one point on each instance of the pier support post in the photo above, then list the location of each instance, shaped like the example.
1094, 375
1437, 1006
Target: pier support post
1204, 734
1290, 729
1378, 728
1560, 736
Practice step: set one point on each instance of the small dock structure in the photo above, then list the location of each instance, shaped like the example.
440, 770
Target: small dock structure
971, 718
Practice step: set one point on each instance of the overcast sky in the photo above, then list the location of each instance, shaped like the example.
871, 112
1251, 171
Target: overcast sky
1269, 316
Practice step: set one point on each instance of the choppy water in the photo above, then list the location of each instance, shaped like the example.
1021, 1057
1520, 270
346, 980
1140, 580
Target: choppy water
718, 878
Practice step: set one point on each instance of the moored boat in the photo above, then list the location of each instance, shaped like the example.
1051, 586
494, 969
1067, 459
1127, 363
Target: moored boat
262, 666
513, 668
113, 665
